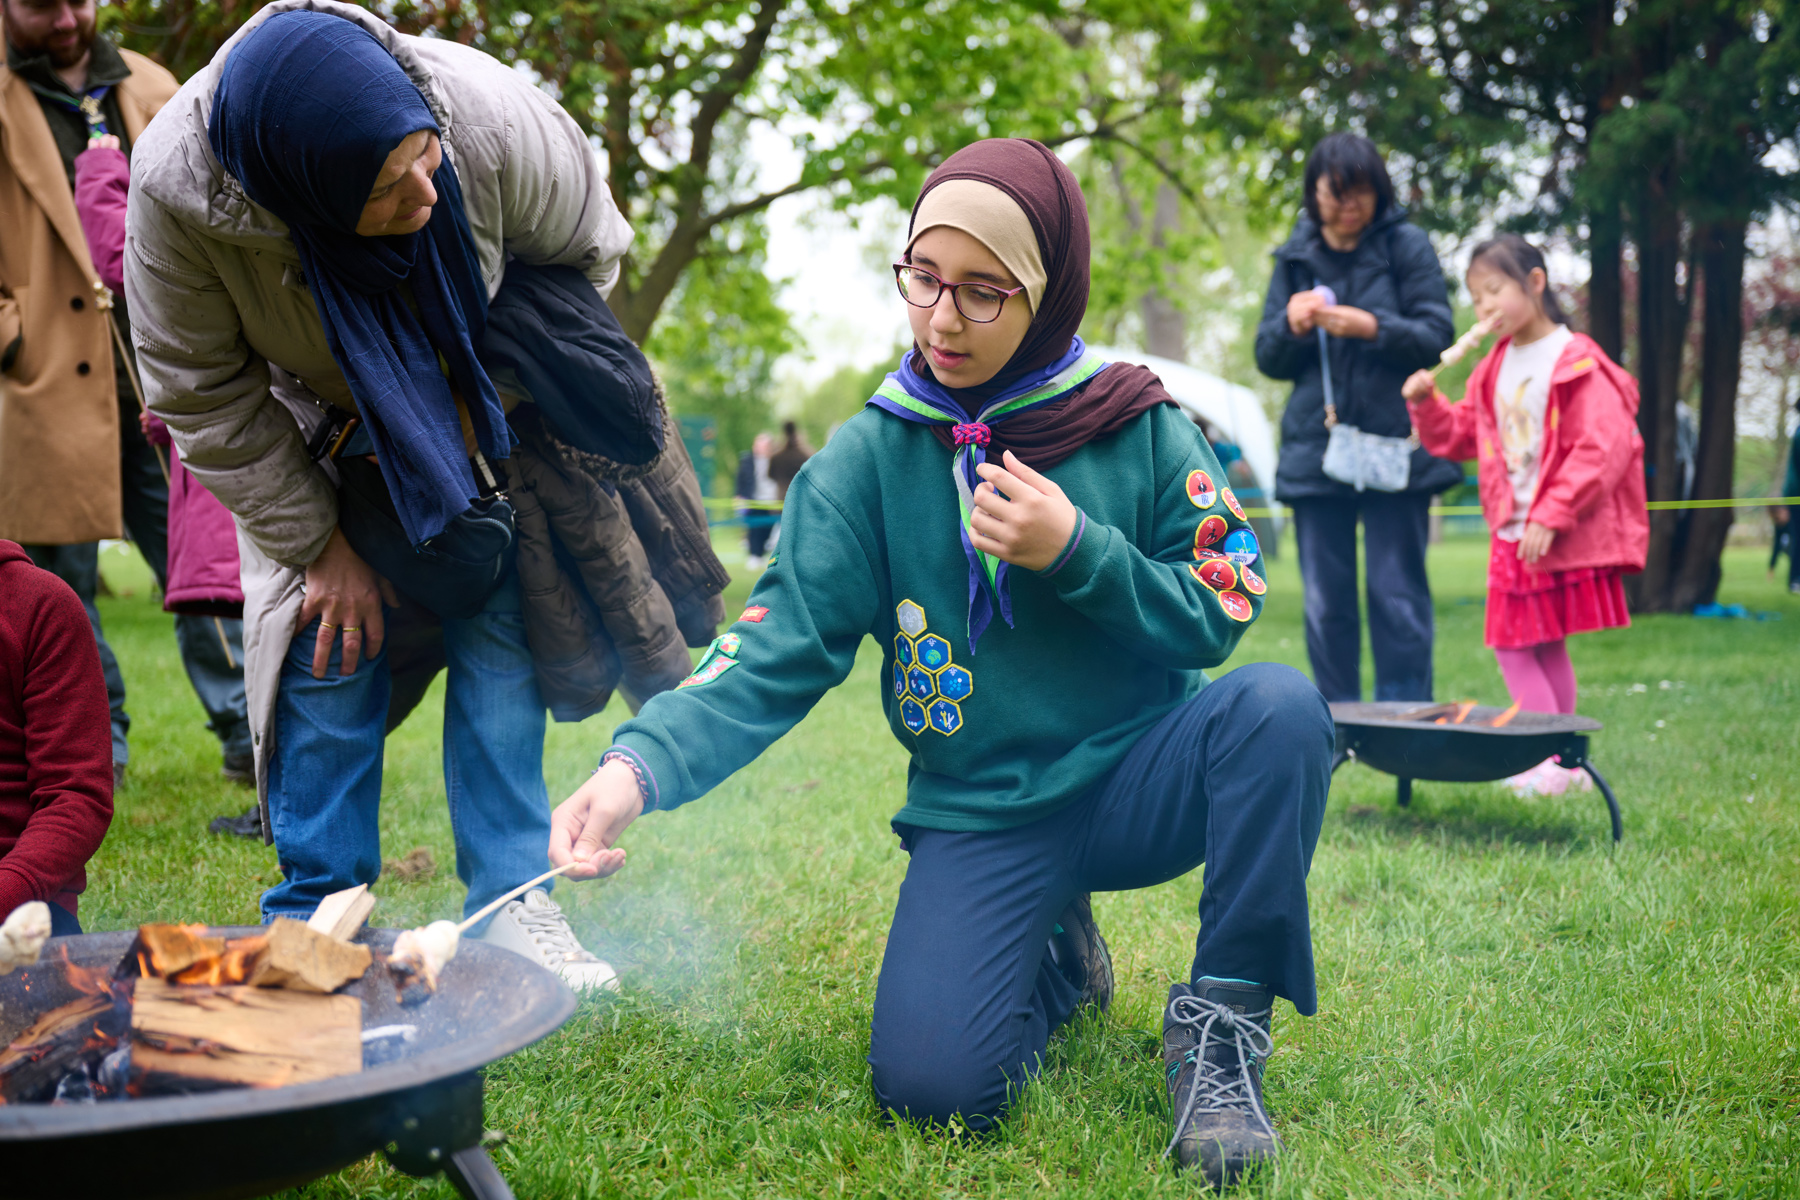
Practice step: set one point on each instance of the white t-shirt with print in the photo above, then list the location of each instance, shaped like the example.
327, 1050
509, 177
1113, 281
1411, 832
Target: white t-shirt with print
1521, 393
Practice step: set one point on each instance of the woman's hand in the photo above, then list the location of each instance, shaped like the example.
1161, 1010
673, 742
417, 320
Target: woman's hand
1420, 385
1343, 321
1301, 310
345, 593
106, 141
1535, 543
586, 827
1029, 525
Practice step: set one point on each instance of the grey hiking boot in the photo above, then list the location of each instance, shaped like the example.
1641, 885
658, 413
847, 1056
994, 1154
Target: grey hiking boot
1215, 1040
1079, 952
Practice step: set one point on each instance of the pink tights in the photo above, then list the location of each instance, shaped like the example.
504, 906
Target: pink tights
1540, 677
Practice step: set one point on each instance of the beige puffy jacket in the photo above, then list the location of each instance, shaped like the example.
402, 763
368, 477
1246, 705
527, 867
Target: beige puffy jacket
231, 349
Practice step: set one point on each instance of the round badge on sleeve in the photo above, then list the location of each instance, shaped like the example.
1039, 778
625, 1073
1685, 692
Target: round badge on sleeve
1241, 548
1231, 502
1236, 607
1210, 530
1216, 573
1253, 583
1200, 489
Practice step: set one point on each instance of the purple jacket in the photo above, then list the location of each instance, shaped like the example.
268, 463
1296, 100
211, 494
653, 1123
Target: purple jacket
203, 554
203, 558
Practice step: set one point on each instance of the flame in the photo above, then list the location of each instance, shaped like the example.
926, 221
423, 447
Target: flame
1506, 717
233, 966
89, 981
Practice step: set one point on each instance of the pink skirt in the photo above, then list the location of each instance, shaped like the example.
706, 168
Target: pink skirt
1527, 607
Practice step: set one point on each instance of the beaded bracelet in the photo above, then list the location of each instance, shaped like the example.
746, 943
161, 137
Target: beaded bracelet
637, 771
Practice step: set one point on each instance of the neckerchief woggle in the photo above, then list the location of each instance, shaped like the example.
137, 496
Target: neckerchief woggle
911, 396
88, 105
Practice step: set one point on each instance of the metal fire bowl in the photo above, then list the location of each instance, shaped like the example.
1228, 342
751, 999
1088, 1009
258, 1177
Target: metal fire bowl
1466, 753
423, 1108
1380, 735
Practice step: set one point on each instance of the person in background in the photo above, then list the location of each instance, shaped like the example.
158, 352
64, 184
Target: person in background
1790, 486
1391, 317
787, 461
755, 484
200, 573
56, 780
1552, 423
73, 459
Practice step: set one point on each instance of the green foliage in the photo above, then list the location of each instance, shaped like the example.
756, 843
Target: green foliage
840, 396
1508, 1006
716, 347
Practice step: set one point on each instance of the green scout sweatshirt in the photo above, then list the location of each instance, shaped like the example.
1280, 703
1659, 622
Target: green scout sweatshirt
1104, 642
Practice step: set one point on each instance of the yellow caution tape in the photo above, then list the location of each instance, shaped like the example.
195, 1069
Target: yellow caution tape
1447, 510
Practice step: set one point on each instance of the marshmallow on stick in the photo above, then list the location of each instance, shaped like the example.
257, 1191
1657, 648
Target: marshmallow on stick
23, 935
423, 953
1461, 347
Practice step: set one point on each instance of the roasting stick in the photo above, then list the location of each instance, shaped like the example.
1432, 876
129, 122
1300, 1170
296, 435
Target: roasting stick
1461, 347
424, 951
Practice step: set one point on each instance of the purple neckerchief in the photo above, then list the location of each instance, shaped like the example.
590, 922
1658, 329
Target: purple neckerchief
911, 396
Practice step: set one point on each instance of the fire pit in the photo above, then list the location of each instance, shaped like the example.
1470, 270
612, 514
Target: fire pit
1463, 743
418, 1097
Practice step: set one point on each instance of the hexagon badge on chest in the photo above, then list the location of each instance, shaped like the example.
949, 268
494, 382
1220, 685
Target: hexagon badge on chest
929, 684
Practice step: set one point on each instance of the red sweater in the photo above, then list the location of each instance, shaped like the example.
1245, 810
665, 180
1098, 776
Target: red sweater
1590, 488
55, 738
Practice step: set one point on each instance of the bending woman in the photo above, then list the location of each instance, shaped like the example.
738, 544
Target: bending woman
318, 221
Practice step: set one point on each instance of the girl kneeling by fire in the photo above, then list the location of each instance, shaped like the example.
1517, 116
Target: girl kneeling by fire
1045, 549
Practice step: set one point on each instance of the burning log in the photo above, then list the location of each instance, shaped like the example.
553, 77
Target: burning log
291, 955
163, 950
1504, 719
65, 1039
190, 1039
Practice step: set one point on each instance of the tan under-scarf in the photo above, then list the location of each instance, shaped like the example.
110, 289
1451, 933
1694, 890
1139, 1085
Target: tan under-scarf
991, 217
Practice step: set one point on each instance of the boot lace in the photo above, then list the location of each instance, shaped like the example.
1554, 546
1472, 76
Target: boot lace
544, 923
1217, 1087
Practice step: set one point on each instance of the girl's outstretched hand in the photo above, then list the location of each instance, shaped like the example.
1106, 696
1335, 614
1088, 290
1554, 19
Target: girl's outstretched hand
1418, 386
1534, 543
1020, 516
586, 827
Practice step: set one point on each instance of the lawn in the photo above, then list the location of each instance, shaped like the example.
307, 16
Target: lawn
1508, 1006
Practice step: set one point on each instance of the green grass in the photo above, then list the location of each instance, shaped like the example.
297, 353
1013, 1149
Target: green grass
1509, 1007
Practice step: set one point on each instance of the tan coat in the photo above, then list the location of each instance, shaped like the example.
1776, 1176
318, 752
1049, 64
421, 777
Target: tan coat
59, 416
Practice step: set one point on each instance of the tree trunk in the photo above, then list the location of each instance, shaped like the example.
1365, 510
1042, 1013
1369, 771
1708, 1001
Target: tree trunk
1165, 328
1696, 578
1662, 328
1606, 293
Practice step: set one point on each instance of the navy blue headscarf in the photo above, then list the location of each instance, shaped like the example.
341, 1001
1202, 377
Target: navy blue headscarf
308, 108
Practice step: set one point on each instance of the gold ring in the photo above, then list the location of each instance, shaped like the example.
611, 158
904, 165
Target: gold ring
326, 625
350, 628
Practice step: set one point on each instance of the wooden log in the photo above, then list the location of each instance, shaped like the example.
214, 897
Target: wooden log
302, 959
86, 1028
341, 914
163, 950
187, 1039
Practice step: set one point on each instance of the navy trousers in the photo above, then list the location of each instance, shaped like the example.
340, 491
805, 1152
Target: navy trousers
968, 998
1395, 526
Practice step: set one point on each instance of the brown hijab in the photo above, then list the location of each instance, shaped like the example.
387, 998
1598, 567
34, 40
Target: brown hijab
1047, 192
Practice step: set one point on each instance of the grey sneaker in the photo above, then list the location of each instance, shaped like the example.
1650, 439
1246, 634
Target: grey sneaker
1079, 952
1215, 1040
535, 928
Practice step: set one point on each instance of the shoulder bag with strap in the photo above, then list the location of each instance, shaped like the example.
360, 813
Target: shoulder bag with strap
1362, 460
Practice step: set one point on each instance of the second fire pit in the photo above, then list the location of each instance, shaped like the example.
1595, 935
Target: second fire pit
1416, 740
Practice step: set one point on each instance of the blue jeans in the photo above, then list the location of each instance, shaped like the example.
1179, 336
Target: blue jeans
325, 774
1235, 778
